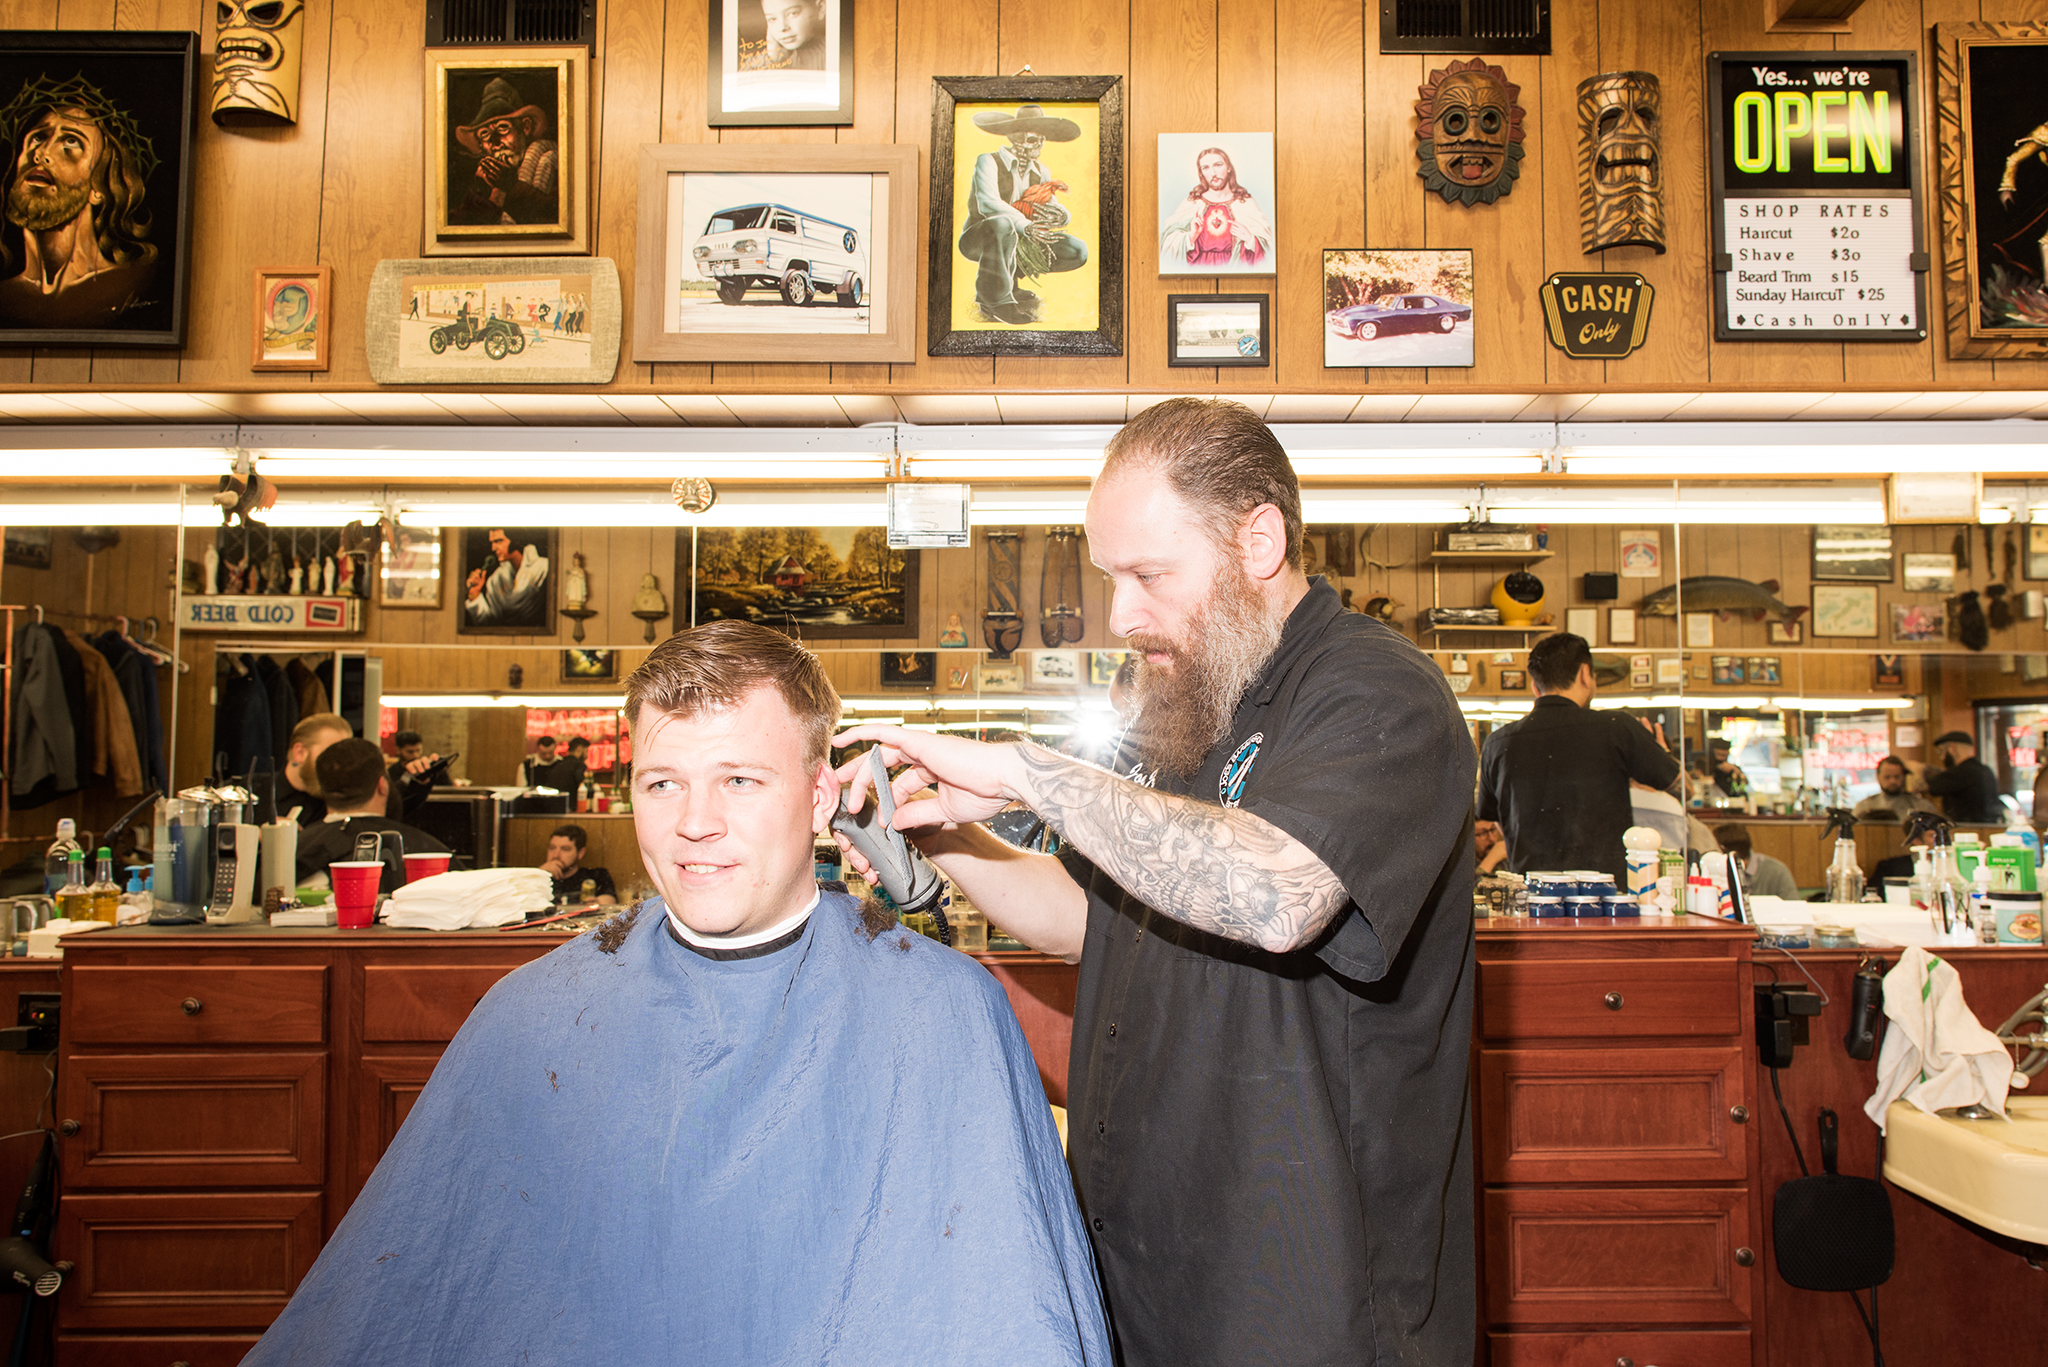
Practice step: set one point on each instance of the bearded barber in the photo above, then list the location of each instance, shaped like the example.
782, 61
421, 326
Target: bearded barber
1272, 914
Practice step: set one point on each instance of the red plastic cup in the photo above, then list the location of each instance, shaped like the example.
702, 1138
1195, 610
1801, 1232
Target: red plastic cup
418, 866
355, 891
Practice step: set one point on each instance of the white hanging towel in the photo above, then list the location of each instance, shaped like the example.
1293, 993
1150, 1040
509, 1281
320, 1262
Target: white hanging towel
1936, 1053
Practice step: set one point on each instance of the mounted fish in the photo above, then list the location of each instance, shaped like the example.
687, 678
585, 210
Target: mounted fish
1725, 596
1470, 137
1621, 162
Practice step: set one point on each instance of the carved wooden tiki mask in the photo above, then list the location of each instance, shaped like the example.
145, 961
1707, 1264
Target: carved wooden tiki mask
1470, 137
257, 46
1621, 162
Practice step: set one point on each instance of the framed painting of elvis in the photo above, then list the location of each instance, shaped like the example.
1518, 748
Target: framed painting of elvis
98, 185
1993, 187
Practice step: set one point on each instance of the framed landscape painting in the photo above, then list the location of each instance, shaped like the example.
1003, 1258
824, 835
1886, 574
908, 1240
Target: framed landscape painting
813, 582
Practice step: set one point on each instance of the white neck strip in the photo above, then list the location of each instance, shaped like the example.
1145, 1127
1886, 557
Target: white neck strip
759, 937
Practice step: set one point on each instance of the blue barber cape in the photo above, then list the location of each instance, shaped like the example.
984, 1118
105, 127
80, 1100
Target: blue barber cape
835, 1152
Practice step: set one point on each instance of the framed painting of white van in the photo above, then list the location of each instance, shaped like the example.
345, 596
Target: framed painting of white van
767, 253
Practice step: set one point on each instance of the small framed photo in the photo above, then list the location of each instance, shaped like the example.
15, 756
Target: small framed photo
1845, 610
959, 677
508, 151
1727, 669
589, 666
2034, 564
1583, 622
1639, 678
1397, 308
1785, 633
1852, 553
1004, 677
1699, 629
780, 63
410, 574
1888, 671
292, 310
1765, 669
28, 548
1055, 667
1103, 665
910, 668
1218, 329
1915, 622
1929, 574
1621, 627
1513, 680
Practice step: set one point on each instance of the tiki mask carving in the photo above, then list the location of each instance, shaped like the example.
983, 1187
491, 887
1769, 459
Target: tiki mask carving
256, 52
1621, 162
1470, 137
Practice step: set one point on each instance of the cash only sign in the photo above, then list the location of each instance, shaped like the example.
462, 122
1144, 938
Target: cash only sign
1816, 197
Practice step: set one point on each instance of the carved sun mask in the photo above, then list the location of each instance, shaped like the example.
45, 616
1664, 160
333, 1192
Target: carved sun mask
256, 55
1621, 163
1470, 137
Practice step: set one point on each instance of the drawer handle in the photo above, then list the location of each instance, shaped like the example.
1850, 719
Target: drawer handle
1744, 1257
191, 1006
68, 1128
1624, 1362
1613, 1000
1739, 1114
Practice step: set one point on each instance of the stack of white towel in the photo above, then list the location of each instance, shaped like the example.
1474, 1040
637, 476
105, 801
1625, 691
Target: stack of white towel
469, 899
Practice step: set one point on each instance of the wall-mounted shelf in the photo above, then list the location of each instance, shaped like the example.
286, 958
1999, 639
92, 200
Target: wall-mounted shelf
1526, 631
1489, 557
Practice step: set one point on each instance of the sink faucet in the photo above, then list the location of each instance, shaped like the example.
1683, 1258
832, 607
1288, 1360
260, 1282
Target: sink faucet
2034, 1041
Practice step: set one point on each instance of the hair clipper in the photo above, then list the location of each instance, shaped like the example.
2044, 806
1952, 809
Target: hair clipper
907, 876
1866, 1009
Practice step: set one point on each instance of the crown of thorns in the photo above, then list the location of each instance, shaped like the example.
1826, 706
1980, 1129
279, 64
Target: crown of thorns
40, 93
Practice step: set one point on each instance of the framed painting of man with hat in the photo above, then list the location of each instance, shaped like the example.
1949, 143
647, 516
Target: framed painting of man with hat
1027, 222
508, 139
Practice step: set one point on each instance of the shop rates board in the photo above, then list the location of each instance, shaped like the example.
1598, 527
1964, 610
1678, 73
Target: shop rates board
1816, 197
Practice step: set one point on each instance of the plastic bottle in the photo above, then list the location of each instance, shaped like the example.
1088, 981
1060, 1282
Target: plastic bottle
1982, 914
583, 796
106, 893
56, 859
2024, 829
74, 898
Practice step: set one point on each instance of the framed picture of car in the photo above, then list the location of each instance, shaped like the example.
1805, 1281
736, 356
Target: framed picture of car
757, 252
1397, 307
493, 320
1218, 329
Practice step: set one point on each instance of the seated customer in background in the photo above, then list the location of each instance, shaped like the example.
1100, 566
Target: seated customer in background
1891, 801
1762, 876
714, 1129
564, 864
351, 773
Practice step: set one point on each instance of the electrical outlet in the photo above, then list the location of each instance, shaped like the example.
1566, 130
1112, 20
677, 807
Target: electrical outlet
35, 1024
1781, 1016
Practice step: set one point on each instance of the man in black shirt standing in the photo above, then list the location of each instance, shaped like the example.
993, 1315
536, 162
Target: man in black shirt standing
1557, 780
1272, 911
1967, 788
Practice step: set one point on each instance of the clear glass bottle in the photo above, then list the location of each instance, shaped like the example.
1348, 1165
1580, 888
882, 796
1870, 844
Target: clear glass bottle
105, 892
57, 859
74, 897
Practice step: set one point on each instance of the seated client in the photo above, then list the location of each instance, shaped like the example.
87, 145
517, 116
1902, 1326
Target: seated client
743, 1122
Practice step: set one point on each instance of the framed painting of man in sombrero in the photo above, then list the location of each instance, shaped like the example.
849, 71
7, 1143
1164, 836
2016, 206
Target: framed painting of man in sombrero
1027, 223
508, 151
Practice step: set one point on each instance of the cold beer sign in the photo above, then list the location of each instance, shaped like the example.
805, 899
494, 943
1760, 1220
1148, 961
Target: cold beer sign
1816, 200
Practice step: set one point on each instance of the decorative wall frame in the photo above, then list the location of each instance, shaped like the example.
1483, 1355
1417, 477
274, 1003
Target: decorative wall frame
1068, 254
507, 159
1397, 307
784, 64
755, 252
141, 92
817, 583
410, 573
453, 321
1217, 202
1993, 187
508, 582
1852, 552
1845, 610
1219, 330
581, 666
292, 311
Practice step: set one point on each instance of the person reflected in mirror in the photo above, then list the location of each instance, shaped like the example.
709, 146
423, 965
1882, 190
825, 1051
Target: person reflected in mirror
1762, 876
564, 863
351, 774
1965, 784
1892, 801
301, 786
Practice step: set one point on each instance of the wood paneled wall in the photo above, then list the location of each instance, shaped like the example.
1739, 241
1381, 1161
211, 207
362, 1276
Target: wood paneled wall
343, 186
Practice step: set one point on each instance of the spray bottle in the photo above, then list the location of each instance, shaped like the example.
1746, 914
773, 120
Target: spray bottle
1946, 894
1845, 876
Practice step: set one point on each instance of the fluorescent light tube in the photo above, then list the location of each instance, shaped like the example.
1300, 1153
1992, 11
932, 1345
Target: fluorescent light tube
1788, 450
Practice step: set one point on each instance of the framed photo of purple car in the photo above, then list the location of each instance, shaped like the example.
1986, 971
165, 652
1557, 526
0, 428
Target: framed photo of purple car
98, 185
508, 151
1027, 216
1397, 308
780, 63
799, 252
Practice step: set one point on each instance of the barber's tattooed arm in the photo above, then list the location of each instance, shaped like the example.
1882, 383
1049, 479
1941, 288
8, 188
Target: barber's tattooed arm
1214, 868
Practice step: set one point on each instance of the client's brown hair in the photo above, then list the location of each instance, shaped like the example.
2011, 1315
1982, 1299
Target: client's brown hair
714, 666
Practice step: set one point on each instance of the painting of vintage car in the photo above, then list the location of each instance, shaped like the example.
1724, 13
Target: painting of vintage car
1399, 313
775, 247
499, 336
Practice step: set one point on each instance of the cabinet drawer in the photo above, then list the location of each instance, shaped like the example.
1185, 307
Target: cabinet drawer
424, 1003
135, 1350
196, 1120
1608, 998
385, 1090
190, 1005
1612, 1115
1718, 1348
1635, 1256
227, 1261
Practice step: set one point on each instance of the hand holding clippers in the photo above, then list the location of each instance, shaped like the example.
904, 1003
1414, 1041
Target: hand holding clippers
907, 876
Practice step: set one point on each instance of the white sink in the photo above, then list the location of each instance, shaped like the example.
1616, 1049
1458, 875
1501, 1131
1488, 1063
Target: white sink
1991, 1172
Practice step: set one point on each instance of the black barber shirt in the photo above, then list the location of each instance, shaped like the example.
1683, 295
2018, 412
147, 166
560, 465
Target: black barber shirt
1968, 793
1557, 782
1272, 1150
